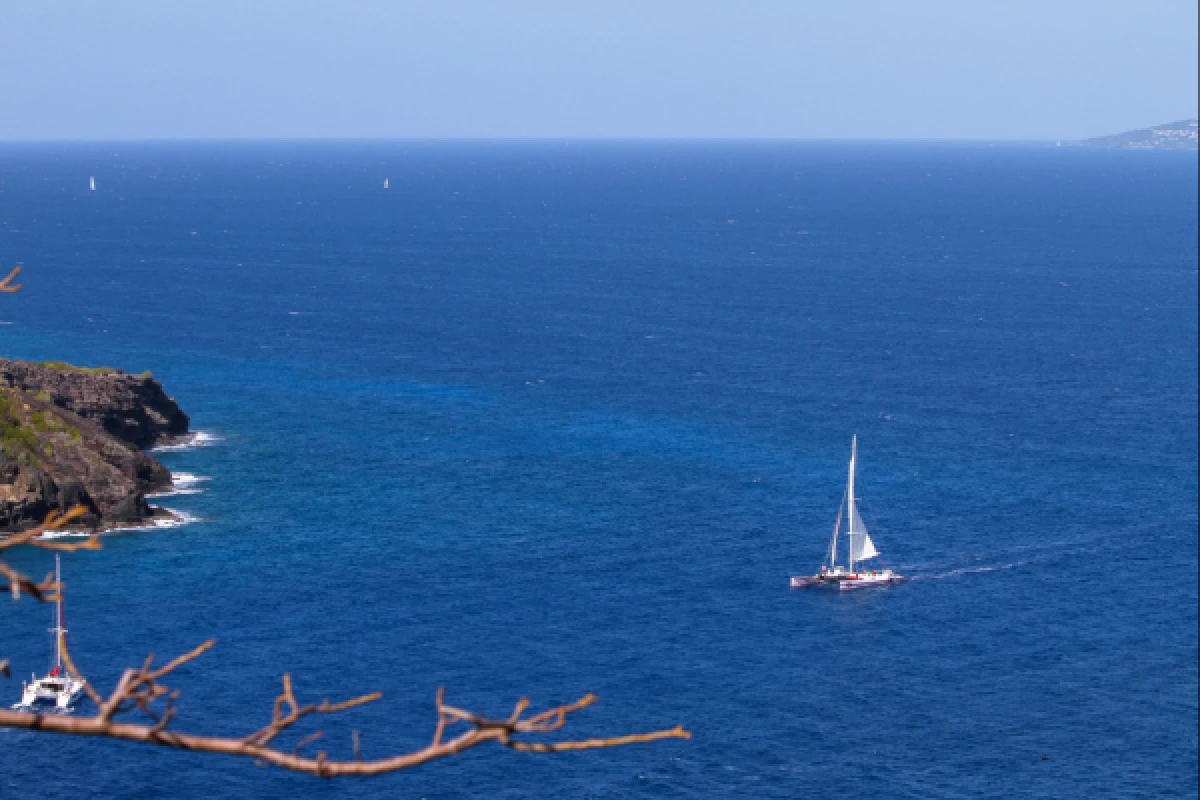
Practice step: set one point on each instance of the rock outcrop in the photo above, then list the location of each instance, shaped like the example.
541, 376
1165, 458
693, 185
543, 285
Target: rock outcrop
133, 408
73, 437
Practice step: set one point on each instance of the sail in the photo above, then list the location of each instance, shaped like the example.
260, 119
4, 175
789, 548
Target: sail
861, 546
856, 523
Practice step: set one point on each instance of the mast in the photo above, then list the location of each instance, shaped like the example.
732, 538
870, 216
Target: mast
850, 501
58, 613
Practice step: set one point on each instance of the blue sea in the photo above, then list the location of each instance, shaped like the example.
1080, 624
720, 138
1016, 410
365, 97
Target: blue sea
549, 418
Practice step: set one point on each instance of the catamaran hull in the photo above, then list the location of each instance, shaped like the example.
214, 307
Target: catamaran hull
815, 581
869, 583
844, 584
35, 696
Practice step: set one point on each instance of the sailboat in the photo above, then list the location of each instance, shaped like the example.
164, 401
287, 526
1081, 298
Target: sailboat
385, 183
58, 688
92, 183
860, 548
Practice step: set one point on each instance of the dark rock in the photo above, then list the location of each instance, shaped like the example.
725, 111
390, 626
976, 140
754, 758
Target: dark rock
133, 408
54, 458
131, 508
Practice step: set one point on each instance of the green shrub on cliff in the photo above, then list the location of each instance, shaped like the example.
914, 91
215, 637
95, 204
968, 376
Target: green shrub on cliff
16, 438
63, 366
49, 423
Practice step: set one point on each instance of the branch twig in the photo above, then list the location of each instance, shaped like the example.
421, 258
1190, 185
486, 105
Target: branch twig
140, 689
6, 284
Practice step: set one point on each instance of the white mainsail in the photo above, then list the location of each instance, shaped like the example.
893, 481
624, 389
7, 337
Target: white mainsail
861, 546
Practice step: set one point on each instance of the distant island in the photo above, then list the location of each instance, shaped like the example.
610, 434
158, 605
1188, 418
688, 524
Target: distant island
1179, 135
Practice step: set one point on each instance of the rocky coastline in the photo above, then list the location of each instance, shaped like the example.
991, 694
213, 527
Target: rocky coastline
76, 436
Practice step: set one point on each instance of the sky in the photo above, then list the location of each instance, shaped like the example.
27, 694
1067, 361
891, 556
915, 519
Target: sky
859, 69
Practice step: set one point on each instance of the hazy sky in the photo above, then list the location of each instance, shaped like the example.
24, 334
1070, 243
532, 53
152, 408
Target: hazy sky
1024, 69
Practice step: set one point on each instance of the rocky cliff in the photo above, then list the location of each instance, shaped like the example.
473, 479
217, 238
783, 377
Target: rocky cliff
133, 408
70, 436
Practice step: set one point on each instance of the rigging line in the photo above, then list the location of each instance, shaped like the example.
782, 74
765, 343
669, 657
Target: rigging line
831, 555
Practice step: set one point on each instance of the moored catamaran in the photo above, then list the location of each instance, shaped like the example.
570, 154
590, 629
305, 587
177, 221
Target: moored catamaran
860, 548
59, 688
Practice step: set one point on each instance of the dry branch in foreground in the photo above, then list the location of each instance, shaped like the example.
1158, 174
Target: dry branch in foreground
6, 284
19, 584
140, 689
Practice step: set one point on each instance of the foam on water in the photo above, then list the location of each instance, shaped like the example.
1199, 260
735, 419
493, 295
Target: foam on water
191, 442
184, 483
956, 573
179, 519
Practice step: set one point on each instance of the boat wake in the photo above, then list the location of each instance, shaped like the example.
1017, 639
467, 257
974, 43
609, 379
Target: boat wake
190, 441
1001, 560
958, 573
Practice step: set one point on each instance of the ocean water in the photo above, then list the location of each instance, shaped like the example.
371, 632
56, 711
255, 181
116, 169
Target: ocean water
549, 418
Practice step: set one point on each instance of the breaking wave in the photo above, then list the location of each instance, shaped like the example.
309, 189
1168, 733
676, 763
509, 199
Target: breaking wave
177, 519
183, 483
190, 441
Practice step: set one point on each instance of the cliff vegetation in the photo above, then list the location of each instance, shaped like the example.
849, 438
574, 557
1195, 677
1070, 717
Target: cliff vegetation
74, 436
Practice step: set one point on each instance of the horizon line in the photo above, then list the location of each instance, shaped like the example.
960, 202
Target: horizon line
238, 139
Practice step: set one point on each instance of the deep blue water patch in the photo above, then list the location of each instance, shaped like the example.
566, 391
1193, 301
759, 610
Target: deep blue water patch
543, 419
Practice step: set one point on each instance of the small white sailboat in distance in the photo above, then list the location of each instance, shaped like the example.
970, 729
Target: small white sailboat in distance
58, 689
92, 182
385, 183
860, 548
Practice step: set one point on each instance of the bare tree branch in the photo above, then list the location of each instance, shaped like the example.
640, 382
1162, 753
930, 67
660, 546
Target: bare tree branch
140, 690
19, 584
6, 284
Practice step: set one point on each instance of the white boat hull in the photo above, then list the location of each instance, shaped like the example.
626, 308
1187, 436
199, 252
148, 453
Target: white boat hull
848, 581
60, 693
869, 581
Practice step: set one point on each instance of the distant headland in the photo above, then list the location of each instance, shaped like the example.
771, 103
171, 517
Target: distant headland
1181, 135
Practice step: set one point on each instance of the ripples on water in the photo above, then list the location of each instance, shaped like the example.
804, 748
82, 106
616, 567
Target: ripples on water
542, 420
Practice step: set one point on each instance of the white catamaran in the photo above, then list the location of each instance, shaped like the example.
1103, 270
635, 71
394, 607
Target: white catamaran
860, 548
58, 688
